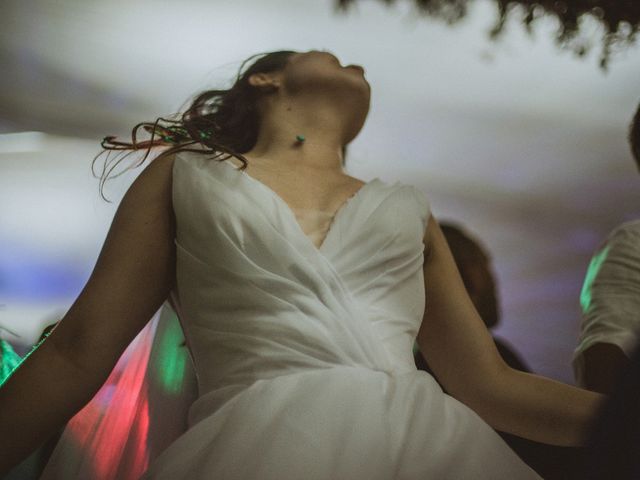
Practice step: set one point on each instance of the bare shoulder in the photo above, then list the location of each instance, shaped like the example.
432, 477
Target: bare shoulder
148, 200
155, 177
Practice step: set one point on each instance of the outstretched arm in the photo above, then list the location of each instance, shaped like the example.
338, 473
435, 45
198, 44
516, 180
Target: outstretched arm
131, 279
462, 354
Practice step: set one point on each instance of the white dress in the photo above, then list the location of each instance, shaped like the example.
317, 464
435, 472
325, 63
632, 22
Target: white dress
303, 354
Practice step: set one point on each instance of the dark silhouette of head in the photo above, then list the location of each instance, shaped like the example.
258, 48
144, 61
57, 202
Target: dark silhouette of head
474, 264
634, 136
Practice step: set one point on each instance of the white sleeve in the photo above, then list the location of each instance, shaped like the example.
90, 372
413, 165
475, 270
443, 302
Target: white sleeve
610, 297
424, 206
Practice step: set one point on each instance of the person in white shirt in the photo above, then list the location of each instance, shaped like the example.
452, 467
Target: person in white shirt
610, 301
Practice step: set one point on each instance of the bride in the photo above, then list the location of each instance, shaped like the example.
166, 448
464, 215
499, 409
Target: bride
300, 291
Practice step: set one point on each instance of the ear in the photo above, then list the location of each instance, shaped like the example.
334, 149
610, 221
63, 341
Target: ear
264, 81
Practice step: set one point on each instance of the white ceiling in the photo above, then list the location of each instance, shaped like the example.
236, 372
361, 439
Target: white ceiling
518, 140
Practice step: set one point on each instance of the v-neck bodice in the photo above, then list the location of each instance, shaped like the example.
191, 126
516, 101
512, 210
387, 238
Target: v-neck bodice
317, 239
314, 223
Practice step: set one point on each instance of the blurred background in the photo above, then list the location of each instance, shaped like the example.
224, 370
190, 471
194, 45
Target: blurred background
518, 140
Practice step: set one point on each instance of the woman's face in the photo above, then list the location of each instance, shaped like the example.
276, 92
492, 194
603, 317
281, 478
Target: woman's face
321, 71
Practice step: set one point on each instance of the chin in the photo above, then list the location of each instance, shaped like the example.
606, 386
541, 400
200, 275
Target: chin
353, 133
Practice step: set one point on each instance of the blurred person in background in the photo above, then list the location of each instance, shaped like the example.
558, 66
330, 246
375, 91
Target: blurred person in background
610, 301
474, 264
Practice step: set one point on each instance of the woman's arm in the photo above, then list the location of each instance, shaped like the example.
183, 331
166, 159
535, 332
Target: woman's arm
462, 354
131, 279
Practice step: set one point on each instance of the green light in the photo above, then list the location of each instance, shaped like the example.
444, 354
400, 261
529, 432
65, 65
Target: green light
170, 360
592, 273
11, 360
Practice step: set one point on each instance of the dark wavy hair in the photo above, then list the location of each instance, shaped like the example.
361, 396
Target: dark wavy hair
634, 136
226, 122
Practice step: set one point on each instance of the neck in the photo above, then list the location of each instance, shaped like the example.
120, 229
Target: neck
322, 126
